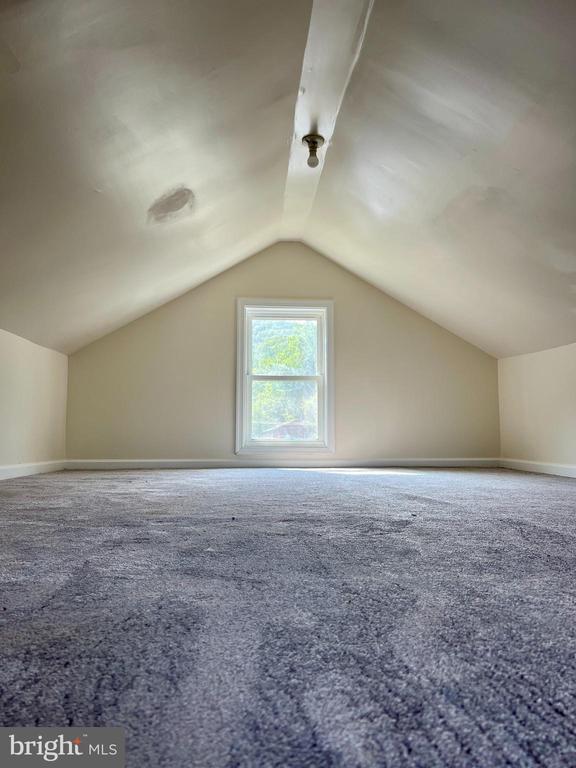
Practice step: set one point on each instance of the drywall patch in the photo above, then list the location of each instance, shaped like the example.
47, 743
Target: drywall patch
175, 203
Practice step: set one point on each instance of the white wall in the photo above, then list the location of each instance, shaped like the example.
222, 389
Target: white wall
33, 383
538, 410
163, 386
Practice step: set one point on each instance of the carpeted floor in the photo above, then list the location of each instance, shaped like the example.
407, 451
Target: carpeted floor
295, 618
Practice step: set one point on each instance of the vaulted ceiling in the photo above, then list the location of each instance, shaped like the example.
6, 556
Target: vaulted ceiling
147, 146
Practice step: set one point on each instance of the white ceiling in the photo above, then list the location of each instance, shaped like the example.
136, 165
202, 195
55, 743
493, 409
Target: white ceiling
105, 107
449, 180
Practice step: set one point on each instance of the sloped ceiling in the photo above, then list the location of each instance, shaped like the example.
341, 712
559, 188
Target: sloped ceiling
148, 146
451, 180
109, 107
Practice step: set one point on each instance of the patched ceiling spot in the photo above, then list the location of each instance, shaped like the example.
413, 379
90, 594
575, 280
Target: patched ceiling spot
174, 204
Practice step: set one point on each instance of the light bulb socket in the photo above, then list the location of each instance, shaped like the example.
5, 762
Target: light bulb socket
313, 141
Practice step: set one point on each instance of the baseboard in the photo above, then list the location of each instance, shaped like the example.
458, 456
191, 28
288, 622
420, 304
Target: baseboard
22, 470
543, 468
261, 462
37, 468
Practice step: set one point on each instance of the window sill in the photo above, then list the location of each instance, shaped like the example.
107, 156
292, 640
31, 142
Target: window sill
283, 451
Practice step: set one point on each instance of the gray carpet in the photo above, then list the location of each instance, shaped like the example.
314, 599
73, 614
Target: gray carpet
295, 618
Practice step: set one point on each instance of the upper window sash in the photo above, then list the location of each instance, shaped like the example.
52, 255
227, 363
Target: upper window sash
259, 313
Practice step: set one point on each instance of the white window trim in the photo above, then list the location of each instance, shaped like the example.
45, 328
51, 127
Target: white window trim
323, 309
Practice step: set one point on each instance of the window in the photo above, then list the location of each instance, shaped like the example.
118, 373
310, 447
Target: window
284, 401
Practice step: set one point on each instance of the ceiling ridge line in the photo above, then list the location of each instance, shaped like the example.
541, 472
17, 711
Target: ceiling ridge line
335, 39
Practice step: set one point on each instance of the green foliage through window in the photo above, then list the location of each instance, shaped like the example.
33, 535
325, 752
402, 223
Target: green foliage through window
284, 410
284, 347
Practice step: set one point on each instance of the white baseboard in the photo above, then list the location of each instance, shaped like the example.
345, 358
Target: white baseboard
543, 468
37, 468
22, 470
261, 462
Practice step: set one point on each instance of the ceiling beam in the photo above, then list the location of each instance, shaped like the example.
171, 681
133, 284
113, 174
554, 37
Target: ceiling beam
335, 38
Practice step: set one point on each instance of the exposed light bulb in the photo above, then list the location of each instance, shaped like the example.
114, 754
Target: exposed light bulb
313, 158
313, 141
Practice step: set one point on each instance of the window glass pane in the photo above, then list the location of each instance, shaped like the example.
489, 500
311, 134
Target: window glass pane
284, 346
284, 410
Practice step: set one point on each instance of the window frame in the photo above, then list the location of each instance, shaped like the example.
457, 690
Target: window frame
323, 312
